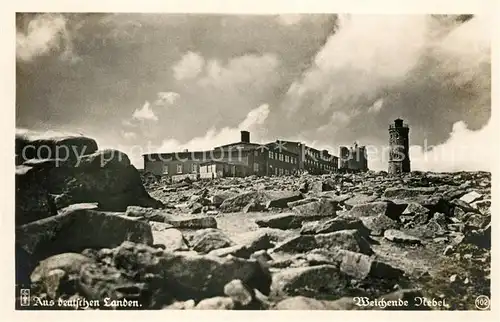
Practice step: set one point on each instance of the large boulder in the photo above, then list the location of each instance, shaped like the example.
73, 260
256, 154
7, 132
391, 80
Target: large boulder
52, 145
207, 240
345, 239
188, 276
76, 230
280, 199
287, 220
177, 221
376, 208
317, 209
359, 199
332, 225
104, 177
321, 279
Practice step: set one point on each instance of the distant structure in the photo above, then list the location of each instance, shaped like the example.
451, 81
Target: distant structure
399, 158
241, 159
353, 159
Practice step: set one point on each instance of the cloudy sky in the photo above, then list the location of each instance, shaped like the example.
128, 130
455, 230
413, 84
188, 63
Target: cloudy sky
157, 82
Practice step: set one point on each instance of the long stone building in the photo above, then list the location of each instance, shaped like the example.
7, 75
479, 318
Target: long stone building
243, 158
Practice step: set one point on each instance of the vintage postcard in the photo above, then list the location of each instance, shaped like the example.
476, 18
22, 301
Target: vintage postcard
170, 160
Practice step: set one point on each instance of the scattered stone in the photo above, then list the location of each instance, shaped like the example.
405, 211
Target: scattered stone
471, 197
325, 279
79, 229
237, 291
388, 209
287, 220
209, 239
281, 200
359, 199
315, 209
448, 250
171, 238
398, 236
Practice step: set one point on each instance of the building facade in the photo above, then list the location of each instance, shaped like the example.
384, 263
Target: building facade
399, 157
353, 159
243, 158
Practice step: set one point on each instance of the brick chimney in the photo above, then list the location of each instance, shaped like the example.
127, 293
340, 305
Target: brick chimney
245, 136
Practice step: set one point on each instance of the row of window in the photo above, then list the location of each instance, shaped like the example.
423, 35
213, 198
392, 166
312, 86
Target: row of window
194, 168
282, 157
280, 172
316, 164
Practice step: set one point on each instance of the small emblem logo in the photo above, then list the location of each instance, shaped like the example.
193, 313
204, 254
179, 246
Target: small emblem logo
25, 297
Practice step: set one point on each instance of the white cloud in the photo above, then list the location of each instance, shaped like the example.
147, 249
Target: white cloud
46, 32
213, 138
167, 98
377, 106
365, 55
240, 71
189, 66
145, 113
465, 150
129, 135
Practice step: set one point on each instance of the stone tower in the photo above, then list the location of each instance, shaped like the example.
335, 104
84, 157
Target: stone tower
399, 158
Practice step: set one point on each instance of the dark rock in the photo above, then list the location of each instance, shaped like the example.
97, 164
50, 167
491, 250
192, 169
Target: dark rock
308, 280
209, 239
189, 276
320, 208
359, 199
32, 199
407, 195
297, 244
398, 236
38, 145
332, 225
257, 242
252, 206
287, 220
300, 202
79, 229
378, 224
236, 203
345, 239
157, 215
388, 209
282, 198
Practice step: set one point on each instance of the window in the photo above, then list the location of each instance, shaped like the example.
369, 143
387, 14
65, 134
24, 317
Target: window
275, 171
194, 168
271, 155
286, 171
256, 153
165, 169
179, 168
256, 167
280, 171
287, 158
281, 157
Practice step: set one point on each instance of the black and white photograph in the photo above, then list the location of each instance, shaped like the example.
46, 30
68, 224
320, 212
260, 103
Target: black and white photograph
253, 161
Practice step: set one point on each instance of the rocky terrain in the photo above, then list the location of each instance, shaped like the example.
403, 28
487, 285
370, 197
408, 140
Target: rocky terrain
100, 230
